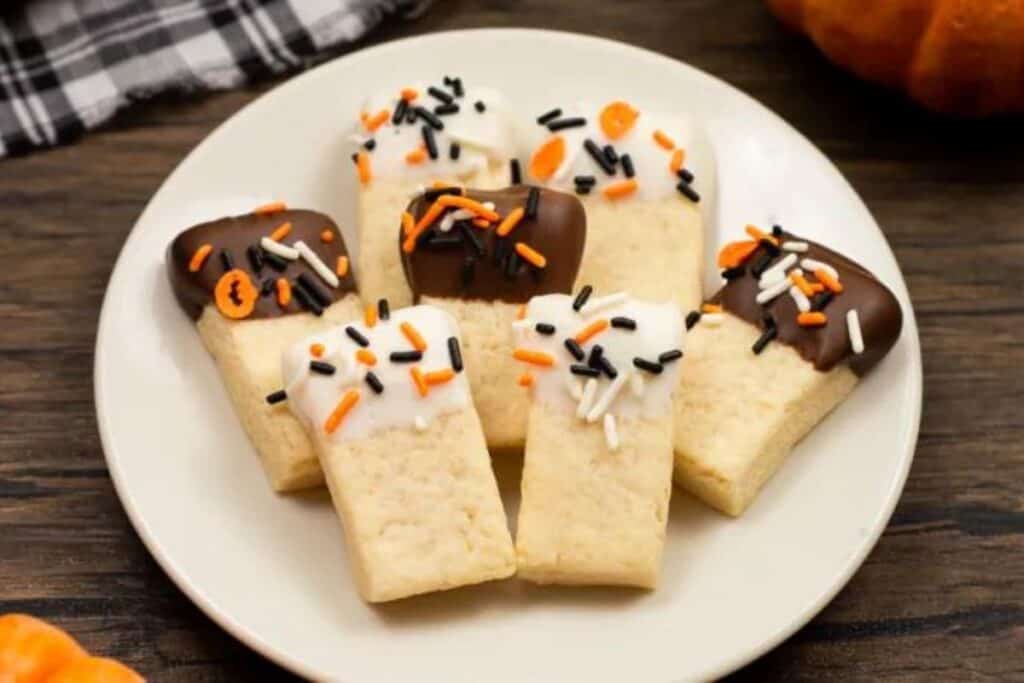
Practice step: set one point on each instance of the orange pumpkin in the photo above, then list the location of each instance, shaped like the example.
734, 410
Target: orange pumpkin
32, 650
962, 57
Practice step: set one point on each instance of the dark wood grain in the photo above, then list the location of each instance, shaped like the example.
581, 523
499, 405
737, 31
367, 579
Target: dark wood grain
940, 598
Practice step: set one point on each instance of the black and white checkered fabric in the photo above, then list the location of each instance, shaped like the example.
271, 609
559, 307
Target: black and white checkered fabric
66, 66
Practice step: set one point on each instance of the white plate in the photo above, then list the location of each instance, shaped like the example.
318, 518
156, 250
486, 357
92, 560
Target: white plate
271, 570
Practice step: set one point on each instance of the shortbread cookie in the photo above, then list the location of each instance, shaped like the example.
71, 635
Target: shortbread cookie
412, 137
643, 178
389, 411
779, 346
255, 284
469, 262
597, 473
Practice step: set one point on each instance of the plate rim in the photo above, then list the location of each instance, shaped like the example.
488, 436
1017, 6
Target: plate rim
251, 640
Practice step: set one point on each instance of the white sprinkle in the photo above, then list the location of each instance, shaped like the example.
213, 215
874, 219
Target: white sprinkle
589, 390
280, 249
420, 423
813, 265
605, 401
316, 264
523, 324
611, 433
449, 219
853, 327
636, 384
766, 295
711, 319
794, 246
575, 387
803, 304
600, 303
778, 270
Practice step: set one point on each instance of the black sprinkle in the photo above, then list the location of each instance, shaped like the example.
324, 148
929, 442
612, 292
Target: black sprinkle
544, 328
761, 264
581, 299
435, 192
574, 349
406, 356
267, 287
669, 356
480, 106
649, 366
446, 109
597, 154
532, 200
383, 310
584, 180
596, 353
692, 318
607, 367
313, 289
447, 80
584, 370
440, 94
227, 260
822, 300
583, 189
429, 117
685, 175
770, 247
623, 323
777, 230
688, 192
515, 172
501, 249
370, 144
274, 261
512, 265
611, 155
277, 396
763, 340
469, 237
457, 87
454, 151
468, 271
303, 297
443, 241
562, 124
550, 116
429, 141
455, 354
320, 367
375, 383
734, 272
400, 112
627, 166
767, 319
410, 115
357, 336
255, 258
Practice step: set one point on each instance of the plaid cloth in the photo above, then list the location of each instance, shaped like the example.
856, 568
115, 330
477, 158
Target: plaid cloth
67, 66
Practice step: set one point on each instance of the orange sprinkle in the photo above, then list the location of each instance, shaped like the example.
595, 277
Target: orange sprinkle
812, 319
440, 184
481, 223
710, 308
801, 282
350, 398
439, 376
535, 357
526, 379
510, 221
419, 380
284, 291
363, 117
532, 255
664, 141
757, 234
410, 94
425, 221
521, 312
281, 231
370, 315
592, 330
676, 162
825, 278
408, 223
199, 258
377, 120
272, 207
470, 204
327, 236
417, 156
736, 253
316, 350
366, 357
341, 269
363, 167
548, 157
622, 188
414, 336
617, 119
817, 287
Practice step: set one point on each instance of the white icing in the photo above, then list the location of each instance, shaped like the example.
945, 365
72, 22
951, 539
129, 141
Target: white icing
659, 329
313, 397
485, 137
650, 160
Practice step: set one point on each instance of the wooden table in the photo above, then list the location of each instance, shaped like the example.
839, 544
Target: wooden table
940, 598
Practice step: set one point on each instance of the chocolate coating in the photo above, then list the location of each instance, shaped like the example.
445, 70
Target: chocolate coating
194, 291
877, 309
558, 232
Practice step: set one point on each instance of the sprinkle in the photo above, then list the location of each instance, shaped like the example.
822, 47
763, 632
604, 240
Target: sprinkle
277, 396
469, 236
799, 247
430, 118
663, 140
350, 398
284, 292
602, 404
535, 357
278, 249
574, 349
429, 141
591, 331
776, 289
801, 282
610, 154
418, 380
584, 180
545, 328
281, 231
587, 399
515, 172
457, 87
401, 109
761, 264
759, 235
377, 120
410, 94
510, 221
321, 368
543, 119
581, 298
711, 308
370, 315
648, 366
685, 176
480, 106
684, 189
734, 272
803, 304
439, 376
455, 354
255, 257
199, 258
822, 300
417, 156
627, 166
562, 124
313, 289
366, 357
318, 266
307, 301
813, 265
410, 115
532, 202
357, 336
584, 370
692, 318
363, 167
812, 319
826, 278
272, 207
853, 329
597, 154
413, 335
420, 423
712, 319
670, 356
454, 150
327, 235
676, 162
405, 356
525, 379
611, 434
440, 95
607, 367
531, 255
777, 230
227, 260
446, 109
374, 382
341, 266
603, 302
582, 189
763, 340
267, 286
450, 200
622, 188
